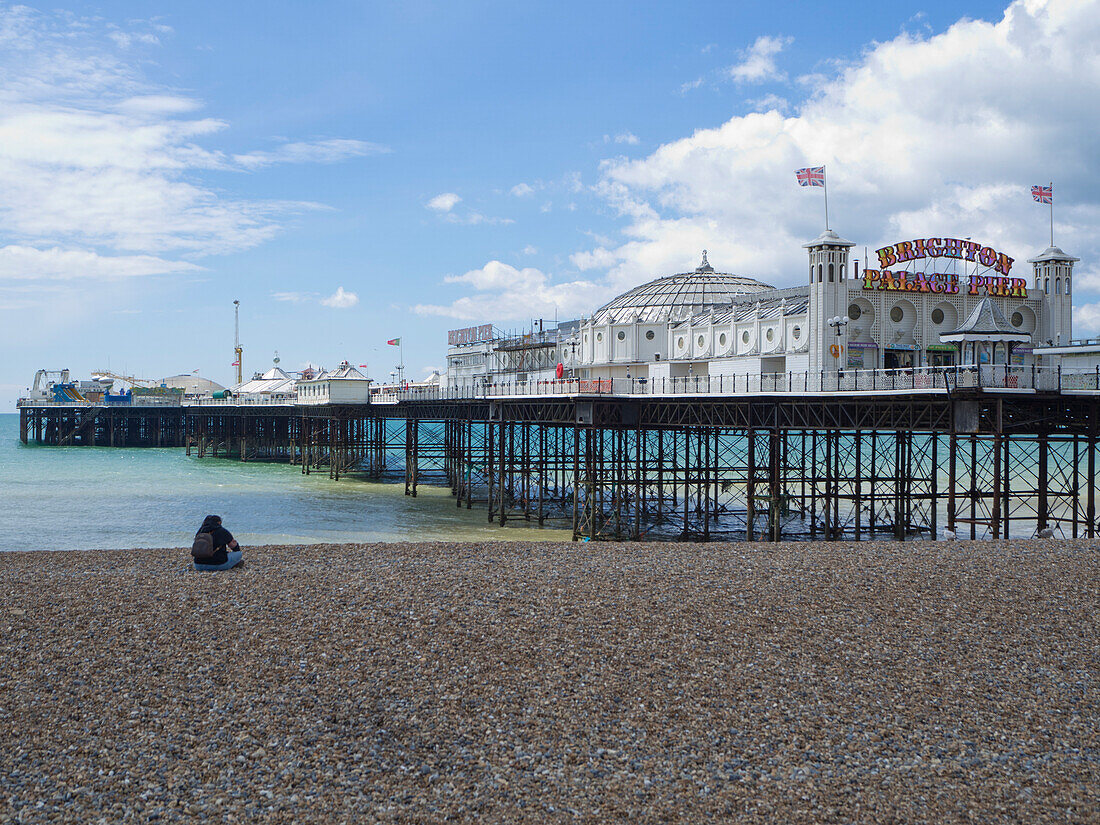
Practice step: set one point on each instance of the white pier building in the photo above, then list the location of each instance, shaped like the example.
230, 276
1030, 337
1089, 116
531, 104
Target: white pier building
927, 302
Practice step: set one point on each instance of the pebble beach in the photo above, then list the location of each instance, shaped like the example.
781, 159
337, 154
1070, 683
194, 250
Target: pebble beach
528, 682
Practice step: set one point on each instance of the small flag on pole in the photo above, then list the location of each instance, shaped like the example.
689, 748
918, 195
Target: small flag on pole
364, 366
235, 364
1045, 194
811, 176
394, 342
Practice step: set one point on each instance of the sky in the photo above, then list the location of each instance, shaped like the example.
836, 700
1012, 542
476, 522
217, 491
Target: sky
354, 172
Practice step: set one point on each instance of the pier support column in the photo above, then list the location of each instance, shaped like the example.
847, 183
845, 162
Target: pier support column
412, 431
1043, 510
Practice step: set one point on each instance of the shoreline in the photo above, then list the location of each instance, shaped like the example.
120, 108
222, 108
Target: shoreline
544, 681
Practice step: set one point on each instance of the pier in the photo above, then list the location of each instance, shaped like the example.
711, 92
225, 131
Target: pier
618, 460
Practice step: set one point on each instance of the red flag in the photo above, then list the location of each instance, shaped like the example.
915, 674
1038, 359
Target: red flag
394, 342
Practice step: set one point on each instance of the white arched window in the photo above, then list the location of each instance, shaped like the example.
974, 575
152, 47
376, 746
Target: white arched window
831, 273
1067, 286
1057, 286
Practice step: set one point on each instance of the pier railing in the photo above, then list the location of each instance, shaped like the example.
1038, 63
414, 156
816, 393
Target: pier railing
920, 379
993, 377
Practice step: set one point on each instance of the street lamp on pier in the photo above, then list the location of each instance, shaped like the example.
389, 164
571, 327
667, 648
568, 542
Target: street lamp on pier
838, 323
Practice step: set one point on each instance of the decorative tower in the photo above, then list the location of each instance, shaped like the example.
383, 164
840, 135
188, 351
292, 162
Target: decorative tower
828, 296
1054, 276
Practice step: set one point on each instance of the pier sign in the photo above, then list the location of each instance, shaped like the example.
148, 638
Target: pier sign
943, 283
469, 335
960, 249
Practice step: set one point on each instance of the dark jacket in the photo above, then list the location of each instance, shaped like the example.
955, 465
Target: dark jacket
221, 537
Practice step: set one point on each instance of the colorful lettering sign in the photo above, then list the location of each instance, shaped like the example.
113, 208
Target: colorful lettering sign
963, 250
469, 335
943, 283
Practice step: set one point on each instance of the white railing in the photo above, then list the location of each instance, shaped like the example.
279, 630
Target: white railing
939, 380
237, 401
912, 380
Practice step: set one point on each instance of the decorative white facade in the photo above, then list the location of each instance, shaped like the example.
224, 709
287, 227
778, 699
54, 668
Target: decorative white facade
343, 385
711, 323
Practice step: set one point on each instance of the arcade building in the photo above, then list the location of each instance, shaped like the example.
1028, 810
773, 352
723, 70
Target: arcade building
927, 302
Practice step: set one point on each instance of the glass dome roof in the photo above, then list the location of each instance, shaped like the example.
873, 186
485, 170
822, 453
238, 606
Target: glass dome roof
676, 297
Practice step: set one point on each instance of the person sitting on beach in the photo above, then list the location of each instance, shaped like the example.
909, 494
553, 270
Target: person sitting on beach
224, 552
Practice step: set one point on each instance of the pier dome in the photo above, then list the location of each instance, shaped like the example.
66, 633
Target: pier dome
192, 384
675, 297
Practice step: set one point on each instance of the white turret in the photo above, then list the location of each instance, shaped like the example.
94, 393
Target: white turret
828, 296
1054, 276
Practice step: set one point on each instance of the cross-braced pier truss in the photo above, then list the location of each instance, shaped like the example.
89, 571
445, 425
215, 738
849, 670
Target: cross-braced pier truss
985, 465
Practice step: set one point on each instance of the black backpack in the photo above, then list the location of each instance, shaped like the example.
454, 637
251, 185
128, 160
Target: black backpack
203, 546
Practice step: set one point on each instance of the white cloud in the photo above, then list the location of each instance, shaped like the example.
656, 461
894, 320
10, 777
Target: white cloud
599, 258
522, 190
472, 218
125, 40
294, 297
505, 293
321, 151
530, 250
910, 148
758, 61
19, 262
691, 85
771, 102
623, 137
95, 159
1086, 320
444, 202
340, 299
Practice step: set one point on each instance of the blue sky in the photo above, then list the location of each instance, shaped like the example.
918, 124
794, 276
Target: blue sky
354, 172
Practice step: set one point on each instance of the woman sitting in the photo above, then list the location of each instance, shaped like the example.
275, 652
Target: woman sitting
214, 547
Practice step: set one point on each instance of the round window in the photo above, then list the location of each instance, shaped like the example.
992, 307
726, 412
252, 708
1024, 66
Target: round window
770, 334
1017, 319
937, 316
680, 343
702, 340
745, 337
798, 330
599, 336
854, 312
621, 336
649, 335
895, 315
722, 340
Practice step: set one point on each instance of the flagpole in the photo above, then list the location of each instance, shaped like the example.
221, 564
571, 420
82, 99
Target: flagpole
825, 179
1052, 213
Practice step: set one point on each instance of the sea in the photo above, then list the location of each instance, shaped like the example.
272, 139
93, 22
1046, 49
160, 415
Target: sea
102, 498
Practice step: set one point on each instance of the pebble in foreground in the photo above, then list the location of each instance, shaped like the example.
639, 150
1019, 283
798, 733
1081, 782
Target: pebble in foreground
527, 682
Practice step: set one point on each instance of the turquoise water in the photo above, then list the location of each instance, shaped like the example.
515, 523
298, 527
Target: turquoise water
82, 498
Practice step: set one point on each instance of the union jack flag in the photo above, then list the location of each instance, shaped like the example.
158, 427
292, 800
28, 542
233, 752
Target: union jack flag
811, 176
1043, 194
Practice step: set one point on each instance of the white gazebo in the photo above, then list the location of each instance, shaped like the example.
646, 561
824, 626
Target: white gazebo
983, 330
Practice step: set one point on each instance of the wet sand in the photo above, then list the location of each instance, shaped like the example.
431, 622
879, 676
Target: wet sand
880, 682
